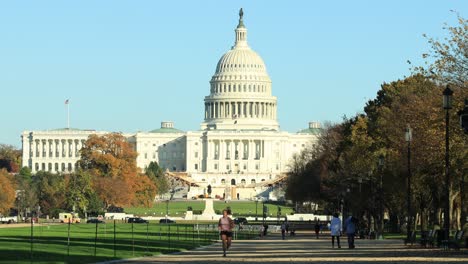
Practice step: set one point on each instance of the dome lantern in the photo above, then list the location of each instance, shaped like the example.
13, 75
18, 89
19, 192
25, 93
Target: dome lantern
241, 32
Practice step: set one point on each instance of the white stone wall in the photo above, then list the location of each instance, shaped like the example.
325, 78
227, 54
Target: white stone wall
167, 149
53, 150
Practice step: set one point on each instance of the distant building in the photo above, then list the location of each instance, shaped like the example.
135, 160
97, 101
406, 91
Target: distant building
239, 150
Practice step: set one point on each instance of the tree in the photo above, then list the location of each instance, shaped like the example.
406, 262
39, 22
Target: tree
156, 174
7, 192
449, 58
10, 158
78, 190
111, 161
26, 195
447, 63
50, 192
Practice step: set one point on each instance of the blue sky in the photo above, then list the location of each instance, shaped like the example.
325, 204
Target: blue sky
127, 65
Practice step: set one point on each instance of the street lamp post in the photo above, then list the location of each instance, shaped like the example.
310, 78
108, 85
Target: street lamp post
408, 138
447, 103
381, 196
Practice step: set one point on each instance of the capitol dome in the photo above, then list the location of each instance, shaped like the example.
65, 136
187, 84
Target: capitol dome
240, 60
240, 95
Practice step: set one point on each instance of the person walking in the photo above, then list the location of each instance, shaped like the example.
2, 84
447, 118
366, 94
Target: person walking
317, 229
350, 228
335, 230
225, 226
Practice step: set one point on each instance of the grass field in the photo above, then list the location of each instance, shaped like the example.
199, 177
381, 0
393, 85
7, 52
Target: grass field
50, 242
178, 208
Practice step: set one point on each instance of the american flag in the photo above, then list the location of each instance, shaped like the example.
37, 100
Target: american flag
67, 101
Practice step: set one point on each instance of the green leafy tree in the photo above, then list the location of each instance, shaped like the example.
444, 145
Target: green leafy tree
78, 190
156, 174
50, 191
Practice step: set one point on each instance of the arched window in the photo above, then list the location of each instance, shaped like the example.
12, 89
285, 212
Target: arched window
233, 182
252, 181
223, 181
243, 181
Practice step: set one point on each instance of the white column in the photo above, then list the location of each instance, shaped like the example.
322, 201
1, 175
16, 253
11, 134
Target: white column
241, 112
221, 110
41, 148
274, 111
227, 106
46, 148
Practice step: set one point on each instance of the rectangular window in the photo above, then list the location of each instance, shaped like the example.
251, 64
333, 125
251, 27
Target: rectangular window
246, 151
216, 154
257, 166
196, 166
146, 155
257, 150
195, 154
216, 166
228, 152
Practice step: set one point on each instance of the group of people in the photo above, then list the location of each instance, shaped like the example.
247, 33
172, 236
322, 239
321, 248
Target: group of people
226, 225
349, 228
285, 228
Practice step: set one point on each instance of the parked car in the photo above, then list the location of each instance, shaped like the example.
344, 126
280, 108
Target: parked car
240, 220
137, 220
166, 221
95, 220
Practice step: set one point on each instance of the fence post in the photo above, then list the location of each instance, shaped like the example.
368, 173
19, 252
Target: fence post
68, 244
133, 243
95, 239
147, 241
32, 237
169, 236
205, 234
114, 240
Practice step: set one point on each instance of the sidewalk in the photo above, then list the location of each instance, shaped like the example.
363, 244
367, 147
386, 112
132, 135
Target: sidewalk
305, 249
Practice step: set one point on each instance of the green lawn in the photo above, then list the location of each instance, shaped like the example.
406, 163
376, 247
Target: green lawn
50, 243
178, 208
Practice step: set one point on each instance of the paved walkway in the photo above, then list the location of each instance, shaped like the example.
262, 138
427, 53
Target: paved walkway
305, 249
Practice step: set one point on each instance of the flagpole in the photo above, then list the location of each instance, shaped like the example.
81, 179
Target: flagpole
68, 115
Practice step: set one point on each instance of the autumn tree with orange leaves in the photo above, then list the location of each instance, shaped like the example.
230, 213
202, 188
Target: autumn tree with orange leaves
116, 179
7, 192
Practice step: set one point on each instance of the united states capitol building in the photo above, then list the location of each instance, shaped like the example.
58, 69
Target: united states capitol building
239, 150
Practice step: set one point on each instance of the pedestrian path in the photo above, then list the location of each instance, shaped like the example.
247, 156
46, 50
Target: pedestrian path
304, 248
